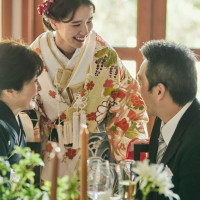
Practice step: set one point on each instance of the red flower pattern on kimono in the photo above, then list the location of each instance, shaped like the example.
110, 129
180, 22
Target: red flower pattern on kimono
135, 87
82, 92
121, 94
122, 124
49, 124
49, 148
122, 146
45, 68
63, 116
108, 83
99, 39
90, 85
70, 153
52, 94
131, 115
116, 137
114, 95
137, 101
91, 116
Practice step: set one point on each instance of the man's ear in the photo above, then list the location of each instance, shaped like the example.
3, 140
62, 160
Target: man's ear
53, 24
160, 89
8, 93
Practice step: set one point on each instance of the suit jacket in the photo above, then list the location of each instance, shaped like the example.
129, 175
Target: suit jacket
11, 134
182, 155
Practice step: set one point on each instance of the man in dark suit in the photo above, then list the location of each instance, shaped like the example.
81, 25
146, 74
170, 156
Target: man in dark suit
168, 85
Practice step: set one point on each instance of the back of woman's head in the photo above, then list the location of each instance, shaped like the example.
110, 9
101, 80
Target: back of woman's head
60, 9
18, 65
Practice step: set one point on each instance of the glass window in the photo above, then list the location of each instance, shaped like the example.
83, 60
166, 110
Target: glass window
116, 21
198, 83
183, 22
0, 20
130, 66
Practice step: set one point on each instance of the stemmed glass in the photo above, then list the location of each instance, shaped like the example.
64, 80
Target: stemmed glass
127, 185
114, 181
98, 179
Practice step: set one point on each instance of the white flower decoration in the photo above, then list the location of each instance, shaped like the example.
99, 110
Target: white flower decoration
152, 177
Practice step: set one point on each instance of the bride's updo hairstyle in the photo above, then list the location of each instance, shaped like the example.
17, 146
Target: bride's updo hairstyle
60, 9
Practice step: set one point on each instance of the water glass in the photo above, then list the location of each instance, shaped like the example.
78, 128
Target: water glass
99, 187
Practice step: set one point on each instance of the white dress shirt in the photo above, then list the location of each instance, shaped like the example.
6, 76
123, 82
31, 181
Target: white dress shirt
167, 130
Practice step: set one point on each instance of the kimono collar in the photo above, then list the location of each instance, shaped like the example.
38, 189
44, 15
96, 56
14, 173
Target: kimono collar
8, 116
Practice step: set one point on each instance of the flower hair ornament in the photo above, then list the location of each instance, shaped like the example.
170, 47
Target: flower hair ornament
43, 8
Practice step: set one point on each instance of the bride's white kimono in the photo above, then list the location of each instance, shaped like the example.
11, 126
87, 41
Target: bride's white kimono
92, 87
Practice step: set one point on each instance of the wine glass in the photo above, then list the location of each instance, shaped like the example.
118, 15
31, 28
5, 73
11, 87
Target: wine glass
127, 185
114, 181
98, 179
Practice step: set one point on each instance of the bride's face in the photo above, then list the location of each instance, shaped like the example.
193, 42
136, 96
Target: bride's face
72, 35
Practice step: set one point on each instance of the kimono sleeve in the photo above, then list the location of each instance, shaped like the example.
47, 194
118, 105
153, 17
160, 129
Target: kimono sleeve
127, 116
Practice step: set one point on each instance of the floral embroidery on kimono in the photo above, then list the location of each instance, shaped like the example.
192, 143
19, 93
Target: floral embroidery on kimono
115, 112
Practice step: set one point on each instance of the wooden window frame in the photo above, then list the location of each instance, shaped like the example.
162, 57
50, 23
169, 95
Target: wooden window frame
151, 24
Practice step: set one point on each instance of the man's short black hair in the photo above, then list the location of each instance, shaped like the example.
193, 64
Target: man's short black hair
172, 65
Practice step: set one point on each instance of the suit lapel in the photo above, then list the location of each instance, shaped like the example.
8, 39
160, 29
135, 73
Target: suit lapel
179, 132
153, 147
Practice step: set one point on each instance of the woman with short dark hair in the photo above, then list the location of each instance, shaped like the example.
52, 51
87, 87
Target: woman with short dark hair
19, 69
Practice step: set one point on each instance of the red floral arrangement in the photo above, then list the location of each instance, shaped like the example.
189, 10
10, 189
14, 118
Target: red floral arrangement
43, 8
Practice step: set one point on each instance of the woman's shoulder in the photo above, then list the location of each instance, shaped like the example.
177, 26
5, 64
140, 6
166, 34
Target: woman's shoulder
42, 36
105, 55
101, 42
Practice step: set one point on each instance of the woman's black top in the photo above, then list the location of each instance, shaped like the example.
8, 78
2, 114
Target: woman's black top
11, 134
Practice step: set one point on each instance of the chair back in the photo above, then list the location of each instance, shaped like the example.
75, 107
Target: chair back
140, 148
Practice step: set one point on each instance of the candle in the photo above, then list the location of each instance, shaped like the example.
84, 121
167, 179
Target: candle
54, 174
84, 157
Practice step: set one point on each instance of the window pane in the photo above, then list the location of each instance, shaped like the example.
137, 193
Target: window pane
0, 19
183, 17
116, 20
198, 83
130, 66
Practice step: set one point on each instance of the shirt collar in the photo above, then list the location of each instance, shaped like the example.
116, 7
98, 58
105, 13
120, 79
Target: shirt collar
167, 130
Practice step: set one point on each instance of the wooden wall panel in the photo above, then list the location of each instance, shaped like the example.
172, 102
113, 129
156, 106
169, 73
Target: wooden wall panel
25, 20
197, 52
38, 20
6, 19
151, 25
31, 21
126, 53
143, 27
158, 24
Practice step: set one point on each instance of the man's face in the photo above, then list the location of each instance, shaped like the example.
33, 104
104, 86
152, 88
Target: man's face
144, 85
